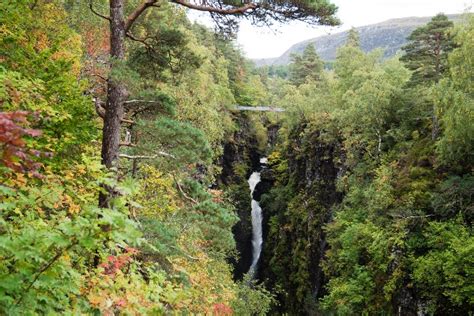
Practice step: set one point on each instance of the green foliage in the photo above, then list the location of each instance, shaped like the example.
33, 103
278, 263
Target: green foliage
427, 50
51, 232
176, 143
353, 38
455, 103
40, 63
308, 66
445, 271
252, 298
166, 54
59, 252
400, 238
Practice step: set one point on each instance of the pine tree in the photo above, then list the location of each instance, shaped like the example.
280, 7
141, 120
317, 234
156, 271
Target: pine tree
306, 66
353, 38
426, 54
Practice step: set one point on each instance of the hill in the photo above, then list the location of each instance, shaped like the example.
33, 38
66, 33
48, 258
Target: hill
389, 35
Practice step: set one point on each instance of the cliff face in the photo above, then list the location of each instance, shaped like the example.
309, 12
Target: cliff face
389, 35
296, 209
241, 156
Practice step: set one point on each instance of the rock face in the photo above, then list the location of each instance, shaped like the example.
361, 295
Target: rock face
241, 156
389, 35
295, 211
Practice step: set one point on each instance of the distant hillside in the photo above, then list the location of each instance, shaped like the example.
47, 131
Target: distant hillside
390, 35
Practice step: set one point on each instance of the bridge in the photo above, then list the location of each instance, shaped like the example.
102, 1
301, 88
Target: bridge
259, 108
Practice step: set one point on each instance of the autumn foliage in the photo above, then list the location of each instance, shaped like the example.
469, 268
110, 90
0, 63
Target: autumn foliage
15, 154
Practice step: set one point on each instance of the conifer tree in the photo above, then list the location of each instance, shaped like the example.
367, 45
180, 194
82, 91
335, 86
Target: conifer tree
306, 66
426, 54
353, 38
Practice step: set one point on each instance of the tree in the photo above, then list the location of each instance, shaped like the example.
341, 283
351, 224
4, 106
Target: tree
426, 55
454, 100
353, 38
224, 12
307, 66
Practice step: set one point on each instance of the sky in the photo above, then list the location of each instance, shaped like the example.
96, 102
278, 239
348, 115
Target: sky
264, 42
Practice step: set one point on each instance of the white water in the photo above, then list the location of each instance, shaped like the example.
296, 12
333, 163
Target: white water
256, 224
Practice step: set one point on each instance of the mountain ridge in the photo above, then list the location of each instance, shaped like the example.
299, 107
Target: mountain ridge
389, 35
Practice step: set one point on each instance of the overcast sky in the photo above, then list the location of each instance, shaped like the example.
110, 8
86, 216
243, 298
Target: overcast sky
264, 42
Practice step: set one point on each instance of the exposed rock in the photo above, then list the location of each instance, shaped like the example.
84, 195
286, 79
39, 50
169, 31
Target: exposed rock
389, 35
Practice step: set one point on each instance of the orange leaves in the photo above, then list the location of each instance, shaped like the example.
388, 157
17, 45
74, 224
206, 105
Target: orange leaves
221, 309
117, 288
15, 155
116, 263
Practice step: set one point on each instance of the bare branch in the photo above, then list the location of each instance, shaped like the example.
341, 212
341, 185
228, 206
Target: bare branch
412, 216
230, 11
127, 121
136, 39
99, 108
91, 6
101, 111
100, 77
158, 154
127, 144
138, 11
182, 192
141, 101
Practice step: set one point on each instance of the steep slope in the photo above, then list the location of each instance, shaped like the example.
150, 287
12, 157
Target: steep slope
389, 35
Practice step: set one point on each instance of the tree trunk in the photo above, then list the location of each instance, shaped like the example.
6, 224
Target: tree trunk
116, 95
437, 53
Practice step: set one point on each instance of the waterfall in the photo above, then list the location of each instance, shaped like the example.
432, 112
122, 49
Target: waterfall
257, 239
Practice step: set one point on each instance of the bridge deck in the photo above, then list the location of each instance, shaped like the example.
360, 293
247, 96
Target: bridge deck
260, 108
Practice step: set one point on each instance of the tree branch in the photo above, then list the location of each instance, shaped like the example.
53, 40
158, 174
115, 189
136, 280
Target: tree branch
127, 144
160, 153
136, 39
141, 101
138, 11
101, 111
230, 11
98, 108
97, 13
412, 216
127, 121
182, 191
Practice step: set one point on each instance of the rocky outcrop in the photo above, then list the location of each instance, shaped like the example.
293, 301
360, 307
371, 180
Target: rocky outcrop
295, 212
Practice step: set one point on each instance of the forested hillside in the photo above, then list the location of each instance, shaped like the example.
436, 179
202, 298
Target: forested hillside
124, 166
371, 209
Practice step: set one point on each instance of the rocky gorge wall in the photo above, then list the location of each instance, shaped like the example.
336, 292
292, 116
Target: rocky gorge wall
300, 202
